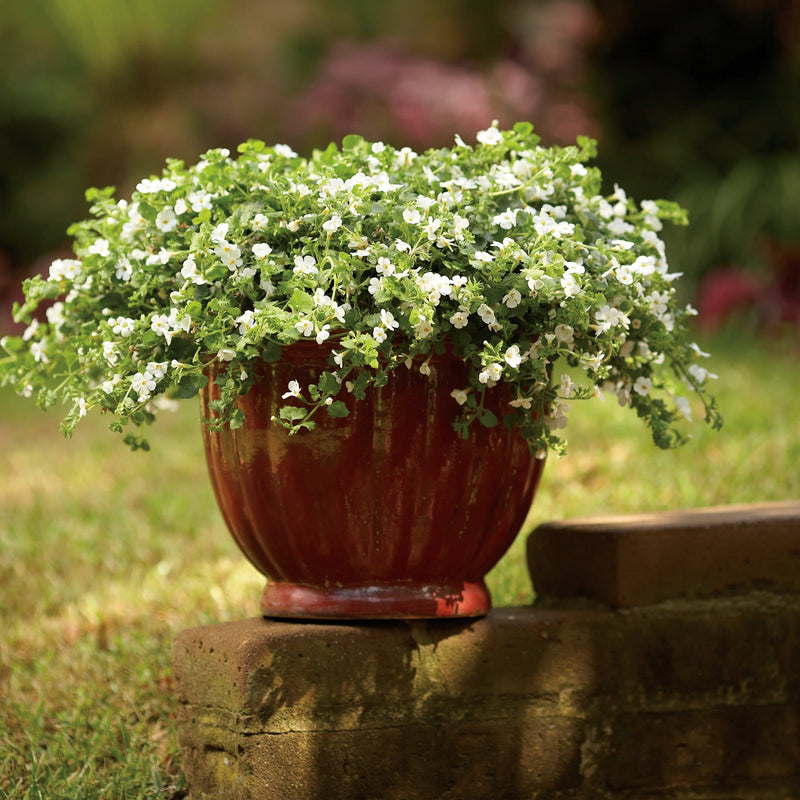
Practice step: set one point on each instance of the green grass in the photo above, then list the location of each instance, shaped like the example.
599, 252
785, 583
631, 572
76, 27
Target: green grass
105, 555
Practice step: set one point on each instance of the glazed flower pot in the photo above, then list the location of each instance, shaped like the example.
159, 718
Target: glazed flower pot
384, 514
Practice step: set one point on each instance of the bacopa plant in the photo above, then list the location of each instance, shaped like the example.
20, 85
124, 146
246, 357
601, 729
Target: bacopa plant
503, 251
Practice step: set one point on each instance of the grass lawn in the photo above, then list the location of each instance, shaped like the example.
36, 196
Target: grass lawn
106, 554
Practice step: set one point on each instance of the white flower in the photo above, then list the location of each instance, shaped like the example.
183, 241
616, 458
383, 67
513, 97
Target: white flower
480, 255
592, 362
507, 219
39, 352
122, 326
245, 321
431, 226
261, 250
322, 334
423, 329
459, 395
512, 299
153, 185
412, 216
65, 268
491, 374
293, 390
486, 314
684, 407
158, 369
388, 321
619, 227
305, 327
513, 357
609, 317
563, 229
379, 335
143, 385
384, 266
161, 257
700, 374
544, 224
99, 247
642, 385
30, 330
200, 200
624, 274
565, 334
434, 286
166, 220
460, 319
321, 299
226, 354
331, 187
490, 136
81, 405
558, 414
520, 402
284, 151
229, 254
305, 265
160, 324
220, 233
332, 225
190, 272
110, 352
55, 314
109, 385
567, 388
460, 224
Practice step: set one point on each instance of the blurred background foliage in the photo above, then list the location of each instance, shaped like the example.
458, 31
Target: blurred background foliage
695, 101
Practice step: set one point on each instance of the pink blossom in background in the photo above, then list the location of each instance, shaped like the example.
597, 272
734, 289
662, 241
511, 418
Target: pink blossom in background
382, 90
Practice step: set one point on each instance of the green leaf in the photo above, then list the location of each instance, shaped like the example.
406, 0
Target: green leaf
360, 385
190, 385
301, 301
352, 141
487, 418
291, 413
338, 409
328, 383
271, 352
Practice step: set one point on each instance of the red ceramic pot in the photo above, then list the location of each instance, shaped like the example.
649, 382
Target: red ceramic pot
385, 514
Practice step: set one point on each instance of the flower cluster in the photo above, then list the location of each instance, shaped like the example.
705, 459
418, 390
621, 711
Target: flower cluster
504, 251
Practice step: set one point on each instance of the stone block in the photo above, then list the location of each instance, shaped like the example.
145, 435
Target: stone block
444, 709
635, 560
721, 747
551, 703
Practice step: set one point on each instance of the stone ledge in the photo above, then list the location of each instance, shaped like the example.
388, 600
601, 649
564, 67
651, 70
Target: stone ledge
626, 561
675, 700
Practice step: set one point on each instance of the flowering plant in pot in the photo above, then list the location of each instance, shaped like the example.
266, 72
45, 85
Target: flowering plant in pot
305, 291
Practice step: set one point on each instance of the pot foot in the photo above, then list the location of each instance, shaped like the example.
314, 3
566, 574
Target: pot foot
379, 601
